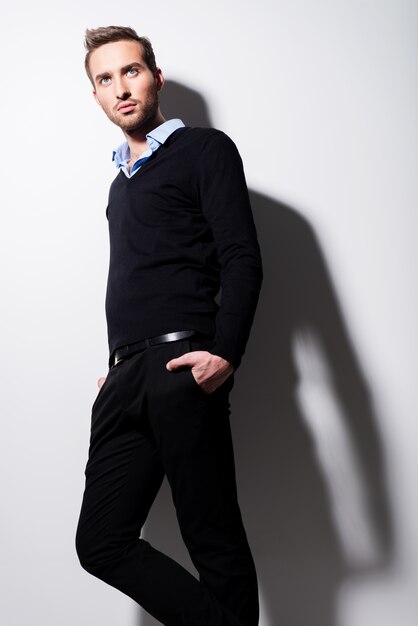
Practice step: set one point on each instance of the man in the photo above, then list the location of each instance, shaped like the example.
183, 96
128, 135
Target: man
181, 227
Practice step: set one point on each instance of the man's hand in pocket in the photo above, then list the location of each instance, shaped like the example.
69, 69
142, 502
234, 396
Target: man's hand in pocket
101, 381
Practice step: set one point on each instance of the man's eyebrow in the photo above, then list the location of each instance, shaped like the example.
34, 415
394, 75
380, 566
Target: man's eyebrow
123, 69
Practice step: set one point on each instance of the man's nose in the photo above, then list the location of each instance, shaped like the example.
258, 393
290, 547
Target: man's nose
122, 92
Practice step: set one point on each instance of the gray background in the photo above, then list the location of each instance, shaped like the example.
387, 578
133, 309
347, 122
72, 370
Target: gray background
321, 99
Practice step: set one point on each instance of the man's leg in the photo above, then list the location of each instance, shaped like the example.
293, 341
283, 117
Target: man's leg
193, 432
123, 475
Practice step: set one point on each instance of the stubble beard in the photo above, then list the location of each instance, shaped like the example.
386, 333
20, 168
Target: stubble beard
144, 111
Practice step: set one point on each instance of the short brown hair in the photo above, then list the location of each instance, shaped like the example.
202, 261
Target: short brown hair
96, 37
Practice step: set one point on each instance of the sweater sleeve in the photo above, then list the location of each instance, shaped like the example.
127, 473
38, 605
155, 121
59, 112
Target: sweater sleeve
224, 201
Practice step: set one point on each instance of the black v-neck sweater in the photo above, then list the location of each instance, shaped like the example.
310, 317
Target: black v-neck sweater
180, 228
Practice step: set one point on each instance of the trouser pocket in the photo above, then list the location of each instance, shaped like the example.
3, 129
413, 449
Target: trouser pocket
207, 344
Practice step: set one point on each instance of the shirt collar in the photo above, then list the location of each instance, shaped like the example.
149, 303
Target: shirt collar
155, 138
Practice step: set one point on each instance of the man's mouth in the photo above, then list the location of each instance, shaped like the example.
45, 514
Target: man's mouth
125, 108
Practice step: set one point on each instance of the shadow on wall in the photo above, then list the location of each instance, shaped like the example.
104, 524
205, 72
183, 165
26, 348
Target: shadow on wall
309, 460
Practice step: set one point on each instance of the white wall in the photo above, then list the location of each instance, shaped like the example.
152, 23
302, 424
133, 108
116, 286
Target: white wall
321, 99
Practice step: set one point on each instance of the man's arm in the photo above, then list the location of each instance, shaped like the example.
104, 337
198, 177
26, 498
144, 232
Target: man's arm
224, 201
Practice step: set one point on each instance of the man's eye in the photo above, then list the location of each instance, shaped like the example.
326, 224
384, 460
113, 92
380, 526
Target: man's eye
131, 69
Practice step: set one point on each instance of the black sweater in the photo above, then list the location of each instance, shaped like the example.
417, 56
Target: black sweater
180, 228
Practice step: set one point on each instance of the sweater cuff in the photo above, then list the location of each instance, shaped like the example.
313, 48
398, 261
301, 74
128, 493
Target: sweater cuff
228, 355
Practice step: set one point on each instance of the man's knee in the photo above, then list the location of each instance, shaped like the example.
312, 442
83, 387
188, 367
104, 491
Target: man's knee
97, 552
92, 553
84, 550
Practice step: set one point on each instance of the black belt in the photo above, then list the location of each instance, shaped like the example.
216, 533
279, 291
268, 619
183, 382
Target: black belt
132, 348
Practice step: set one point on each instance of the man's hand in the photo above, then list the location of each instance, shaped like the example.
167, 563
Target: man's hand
209, 370
101, 381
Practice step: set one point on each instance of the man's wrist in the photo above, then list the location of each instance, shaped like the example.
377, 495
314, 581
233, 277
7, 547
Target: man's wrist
227, 364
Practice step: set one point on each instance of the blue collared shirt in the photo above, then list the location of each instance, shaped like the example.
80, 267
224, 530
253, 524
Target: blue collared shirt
155, 138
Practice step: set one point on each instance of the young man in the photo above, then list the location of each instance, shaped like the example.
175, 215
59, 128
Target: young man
181, 227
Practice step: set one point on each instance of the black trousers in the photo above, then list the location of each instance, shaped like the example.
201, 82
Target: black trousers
147, 422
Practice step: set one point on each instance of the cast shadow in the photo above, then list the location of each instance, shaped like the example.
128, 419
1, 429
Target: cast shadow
283, 493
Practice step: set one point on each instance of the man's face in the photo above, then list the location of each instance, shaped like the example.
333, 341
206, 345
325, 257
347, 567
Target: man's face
120, 76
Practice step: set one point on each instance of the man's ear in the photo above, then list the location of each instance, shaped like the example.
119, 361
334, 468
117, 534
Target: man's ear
159, 78
95, 97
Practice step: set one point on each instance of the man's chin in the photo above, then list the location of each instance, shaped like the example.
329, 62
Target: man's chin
129, 126
128, 123
131, 123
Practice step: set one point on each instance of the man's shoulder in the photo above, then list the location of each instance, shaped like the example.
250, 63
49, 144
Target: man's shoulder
204, 131
203, 138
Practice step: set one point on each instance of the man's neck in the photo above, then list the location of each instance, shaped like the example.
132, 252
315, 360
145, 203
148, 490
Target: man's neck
137, 141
